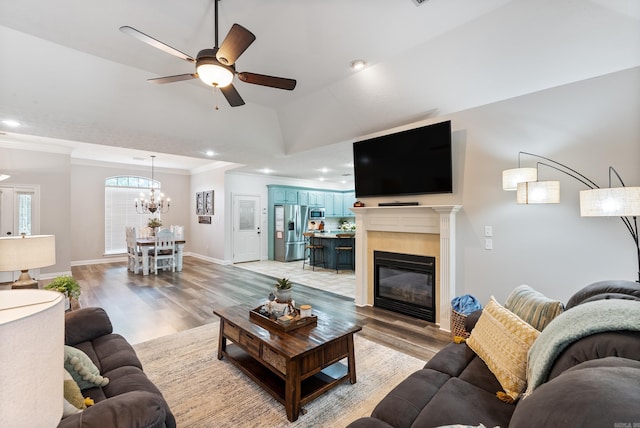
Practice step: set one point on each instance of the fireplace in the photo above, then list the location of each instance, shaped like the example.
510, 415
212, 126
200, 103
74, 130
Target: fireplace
405, 283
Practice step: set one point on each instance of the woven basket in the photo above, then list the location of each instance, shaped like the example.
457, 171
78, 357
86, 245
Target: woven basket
457, 325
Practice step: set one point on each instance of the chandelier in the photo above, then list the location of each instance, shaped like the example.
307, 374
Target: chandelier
153, 204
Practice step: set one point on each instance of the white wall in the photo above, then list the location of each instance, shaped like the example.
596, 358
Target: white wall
238, 183
51, 172
87, 204
588, 126
209, 241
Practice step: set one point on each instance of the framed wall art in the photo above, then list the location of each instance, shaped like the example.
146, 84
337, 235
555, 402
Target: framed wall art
200, 203
208, 202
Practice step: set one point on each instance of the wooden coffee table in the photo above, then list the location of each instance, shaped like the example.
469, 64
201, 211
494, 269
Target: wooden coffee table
294, 367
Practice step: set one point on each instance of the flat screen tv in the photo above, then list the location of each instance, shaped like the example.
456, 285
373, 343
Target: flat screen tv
411, 162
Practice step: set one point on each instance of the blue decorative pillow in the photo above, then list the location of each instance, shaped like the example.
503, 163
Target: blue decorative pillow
82, 369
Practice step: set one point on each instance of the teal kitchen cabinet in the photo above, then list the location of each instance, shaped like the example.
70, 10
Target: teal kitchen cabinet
348, 200
303, 197
285, 196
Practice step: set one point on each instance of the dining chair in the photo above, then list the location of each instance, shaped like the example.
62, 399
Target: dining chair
178, 231
134, 254
163, 255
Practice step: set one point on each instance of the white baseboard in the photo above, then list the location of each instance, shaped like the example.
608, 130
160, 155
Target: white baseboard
209, 259
99, 261
118, 259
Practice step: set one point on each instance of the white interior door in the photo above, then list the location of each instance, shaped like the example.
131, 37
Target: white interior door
246, 228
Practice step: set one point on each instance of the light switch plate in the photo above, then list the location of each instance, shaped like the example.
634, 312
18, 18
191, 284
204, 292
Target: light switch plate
488, 231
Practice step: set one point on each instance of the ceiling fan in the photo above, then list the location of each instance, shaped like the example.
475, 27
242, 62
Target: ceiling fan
216, 66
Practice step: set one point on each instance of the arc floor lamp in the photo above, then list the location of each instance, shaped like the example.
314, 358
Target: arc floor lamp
623, 202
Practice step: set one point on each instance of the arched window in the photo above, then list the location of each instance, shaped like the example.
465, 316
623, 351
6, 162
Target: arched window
120, 211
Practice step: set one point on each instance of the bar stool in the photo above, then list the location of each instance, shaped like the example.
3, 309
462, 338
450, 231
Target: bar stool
344, 245
310, 249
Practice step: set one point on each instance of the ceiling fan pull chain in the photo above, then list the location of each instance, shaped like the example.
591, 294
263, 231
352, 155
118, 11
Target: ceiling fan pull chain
215, 96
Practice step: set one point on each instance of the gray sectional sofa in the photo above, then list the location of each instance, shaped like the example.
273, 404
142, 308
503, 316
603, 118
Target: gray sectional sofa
129, 399
591, 377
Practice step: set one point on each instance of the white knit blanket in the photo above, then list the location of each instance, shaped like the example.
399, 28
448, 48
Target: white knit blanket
578, 322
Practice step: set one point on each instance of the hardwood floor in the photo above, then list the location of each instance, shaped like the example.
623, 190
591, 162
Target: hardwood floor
145, 307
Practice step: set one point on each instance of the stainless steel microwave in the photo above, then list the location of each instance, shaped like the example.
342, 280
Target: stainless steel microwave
316, 213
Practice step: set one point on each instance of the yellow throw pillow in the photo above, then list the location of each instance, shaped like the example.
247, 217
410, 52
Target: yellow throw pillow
502, 340
73, 399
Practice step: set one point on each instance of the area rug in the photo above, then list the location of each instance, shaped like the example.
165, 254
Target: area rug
203, 391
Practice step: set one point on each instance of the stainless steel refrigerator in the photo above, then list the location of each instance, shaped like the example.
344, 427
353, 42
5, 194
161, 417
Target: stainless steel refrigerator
290, 224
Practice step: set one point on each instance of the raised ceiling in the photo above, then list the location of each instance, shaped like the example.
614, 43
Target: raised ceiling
67, 73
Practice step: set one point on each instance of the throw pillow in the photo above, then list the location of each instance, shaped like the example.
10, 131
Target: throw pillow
73, 399
533, 307
502, 340
82, 369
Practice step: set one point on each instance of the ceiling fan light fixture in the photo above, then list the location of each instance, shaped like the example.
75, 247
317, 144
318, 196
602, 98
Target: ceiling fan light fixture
214, 75
211, 71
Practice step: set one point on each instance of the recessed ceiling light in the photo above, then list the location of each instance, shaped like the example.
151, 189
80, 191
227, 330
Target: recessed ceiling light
324, 170
12, 123
358, 64
209, 153
266, 170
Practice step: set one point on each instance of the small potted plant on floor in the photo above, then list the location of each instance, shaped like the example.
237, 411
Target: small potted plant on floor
68, 286
283, 290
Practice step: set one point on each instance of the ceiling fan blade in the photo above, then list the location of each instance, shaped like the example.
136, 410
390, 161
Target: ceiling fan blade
171, 79
155, 43
232, 96
271, 81
236, 42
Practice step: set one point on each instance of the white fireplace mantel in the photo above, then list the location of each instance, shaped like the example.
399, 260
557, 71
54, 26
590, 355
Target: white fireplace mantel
431, 219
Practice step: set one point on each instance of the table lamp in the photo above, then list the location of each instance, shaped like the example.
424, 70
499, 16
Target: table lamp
26, 252
31, 358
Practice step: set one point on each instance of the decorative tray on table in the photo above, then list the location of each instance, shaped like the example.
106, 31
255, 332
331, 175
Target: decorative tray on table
275, 324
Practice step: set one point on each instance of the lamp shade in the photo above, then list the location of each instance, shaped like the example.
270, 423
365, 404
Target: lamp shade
214, 74
31, 358
538, 192
511, 177
27, 252
615, 201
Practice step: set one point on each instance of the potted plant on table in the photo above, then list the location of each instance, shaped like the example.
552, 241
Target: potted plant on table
283, 290
68, 286
154, 223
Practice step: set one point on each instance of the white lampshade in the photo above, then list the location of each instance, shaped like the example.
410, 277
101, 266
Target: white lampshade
616, 202
214, 75
538, 192
27, 252
31, 358
511, 177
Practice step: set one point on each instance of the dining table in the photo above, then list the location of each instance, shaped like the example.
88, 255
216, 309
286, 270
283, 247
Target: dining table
146, 244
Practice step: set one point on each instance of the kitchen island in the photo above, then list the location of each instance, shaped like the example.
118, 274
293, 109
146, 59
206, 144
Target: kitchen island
329, 239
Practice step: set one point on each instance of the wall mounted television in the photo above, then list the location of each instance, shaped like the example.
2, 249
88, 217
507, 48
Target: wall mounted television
412, 162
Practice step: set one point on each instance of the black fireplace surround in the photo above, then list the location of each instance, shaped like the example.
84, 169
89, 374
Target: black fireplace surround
405, 283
